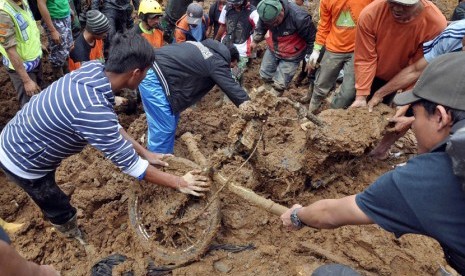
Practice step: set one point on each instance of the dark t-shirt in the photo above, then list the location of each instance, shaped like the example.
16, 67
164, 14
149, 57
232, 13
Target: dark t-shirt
81, 50
423, 197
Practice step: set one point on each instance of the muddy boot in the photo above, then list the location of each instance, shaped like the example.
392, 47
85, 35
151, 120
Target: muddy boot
305, 99
314, 106
57, 72
69, 229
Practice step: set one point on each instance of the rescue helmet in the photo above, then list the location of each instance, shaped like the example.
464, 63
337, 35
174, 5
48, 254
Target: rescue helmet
149, 7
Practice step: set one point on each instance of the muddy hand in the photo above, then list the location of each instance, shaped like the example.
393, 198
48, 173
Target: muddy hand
31, 88
360, 101
375, 100
399, 124
10, 227
48, 270
194, 183
286, 217
157, 159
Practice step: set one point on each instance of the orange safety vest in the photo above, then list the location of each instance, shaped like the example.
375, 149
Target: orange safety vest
155, 38
95, 53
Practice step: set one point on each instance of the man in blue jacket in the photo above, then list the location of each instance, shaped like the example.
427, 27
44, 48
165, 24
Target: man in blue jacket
181, 75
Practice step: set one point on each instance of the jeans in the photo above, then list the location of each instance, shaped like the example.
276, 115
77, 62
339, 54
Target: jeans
326, 77
44, 191
278, 71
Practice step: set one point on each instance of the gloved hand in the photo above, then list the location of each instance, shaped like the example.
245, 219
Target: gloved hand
193, 183
313, 59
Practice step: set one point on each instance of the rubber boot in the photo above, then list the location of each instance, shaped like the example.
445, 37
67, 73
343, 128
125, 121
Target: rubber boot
306, 99
69, 229
314, 106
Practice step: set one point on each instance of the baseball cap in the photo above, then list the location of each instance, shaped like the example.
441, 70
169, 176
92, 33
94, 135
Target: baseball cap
442, 82
268, 10
194, 14
405, 2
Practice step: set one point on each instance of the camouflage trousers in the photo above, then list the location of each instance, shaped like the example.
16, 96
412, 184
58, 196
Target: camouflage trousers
58, 53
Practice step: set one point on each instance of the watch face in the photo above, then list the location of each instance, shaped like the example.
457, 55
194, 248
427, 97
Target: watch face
295, 220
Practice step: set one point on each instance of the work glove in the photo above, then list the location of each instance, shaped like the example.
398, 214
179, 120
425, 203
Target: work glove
313, 58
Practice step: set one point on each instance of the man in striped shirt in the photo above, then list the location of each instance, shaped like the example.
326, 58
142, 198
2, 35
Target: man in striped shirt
75, 111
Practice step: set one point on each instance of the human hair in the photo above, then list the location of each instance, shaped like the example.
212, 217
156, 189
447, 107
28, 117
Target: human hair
129, 51
430, 107
234, 53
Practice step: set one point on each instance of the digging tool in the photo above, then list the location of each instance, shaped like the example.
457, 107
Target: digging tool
10, 227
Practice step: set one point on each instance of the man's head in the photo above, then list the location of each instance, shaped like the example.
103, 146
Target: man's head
405, 11
194, 14
97, 24
271, 12
150, 12
438, 100
130, 56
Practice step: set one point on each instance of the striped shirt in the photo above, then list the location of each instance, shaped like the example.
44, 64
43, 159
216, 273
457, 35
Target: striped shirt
60, 121
448, 41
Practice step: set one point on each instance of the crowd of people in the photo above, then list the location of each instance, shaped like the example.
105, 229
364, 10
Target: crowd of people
174, 55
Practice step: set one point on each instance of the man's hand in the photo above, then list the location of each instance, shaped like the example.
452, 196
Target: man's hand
360, 101
47, 270
157, 158
286, 217
375, 100
56, 38
31, 88
312, 61
399, 124
193, 183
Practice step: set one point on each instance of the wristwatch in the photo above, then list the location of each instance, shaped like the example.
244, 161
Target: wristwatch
295, 219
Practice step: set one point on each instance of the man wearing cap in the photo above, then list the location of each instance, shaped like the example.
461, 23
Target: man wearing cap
20, 48
390, 34
89, 44
291, 37
174, 10
193, 25
74, 111
424, 196
181, 75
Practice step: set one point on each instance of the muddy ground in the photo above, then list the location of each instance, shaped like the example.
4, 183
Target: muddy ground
287, 164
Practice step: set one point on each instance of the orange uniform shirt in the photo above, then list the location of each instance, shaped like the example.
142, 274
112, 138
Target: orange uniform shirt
383, 46
95, 53
337, 25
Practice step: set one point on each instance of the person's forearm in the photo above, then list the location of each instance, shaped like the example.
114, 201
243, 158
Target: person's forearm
11, 263
221, 31
17, 63
158, 177
316, 215
333, 213
137, 147
402, 80
45, 15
